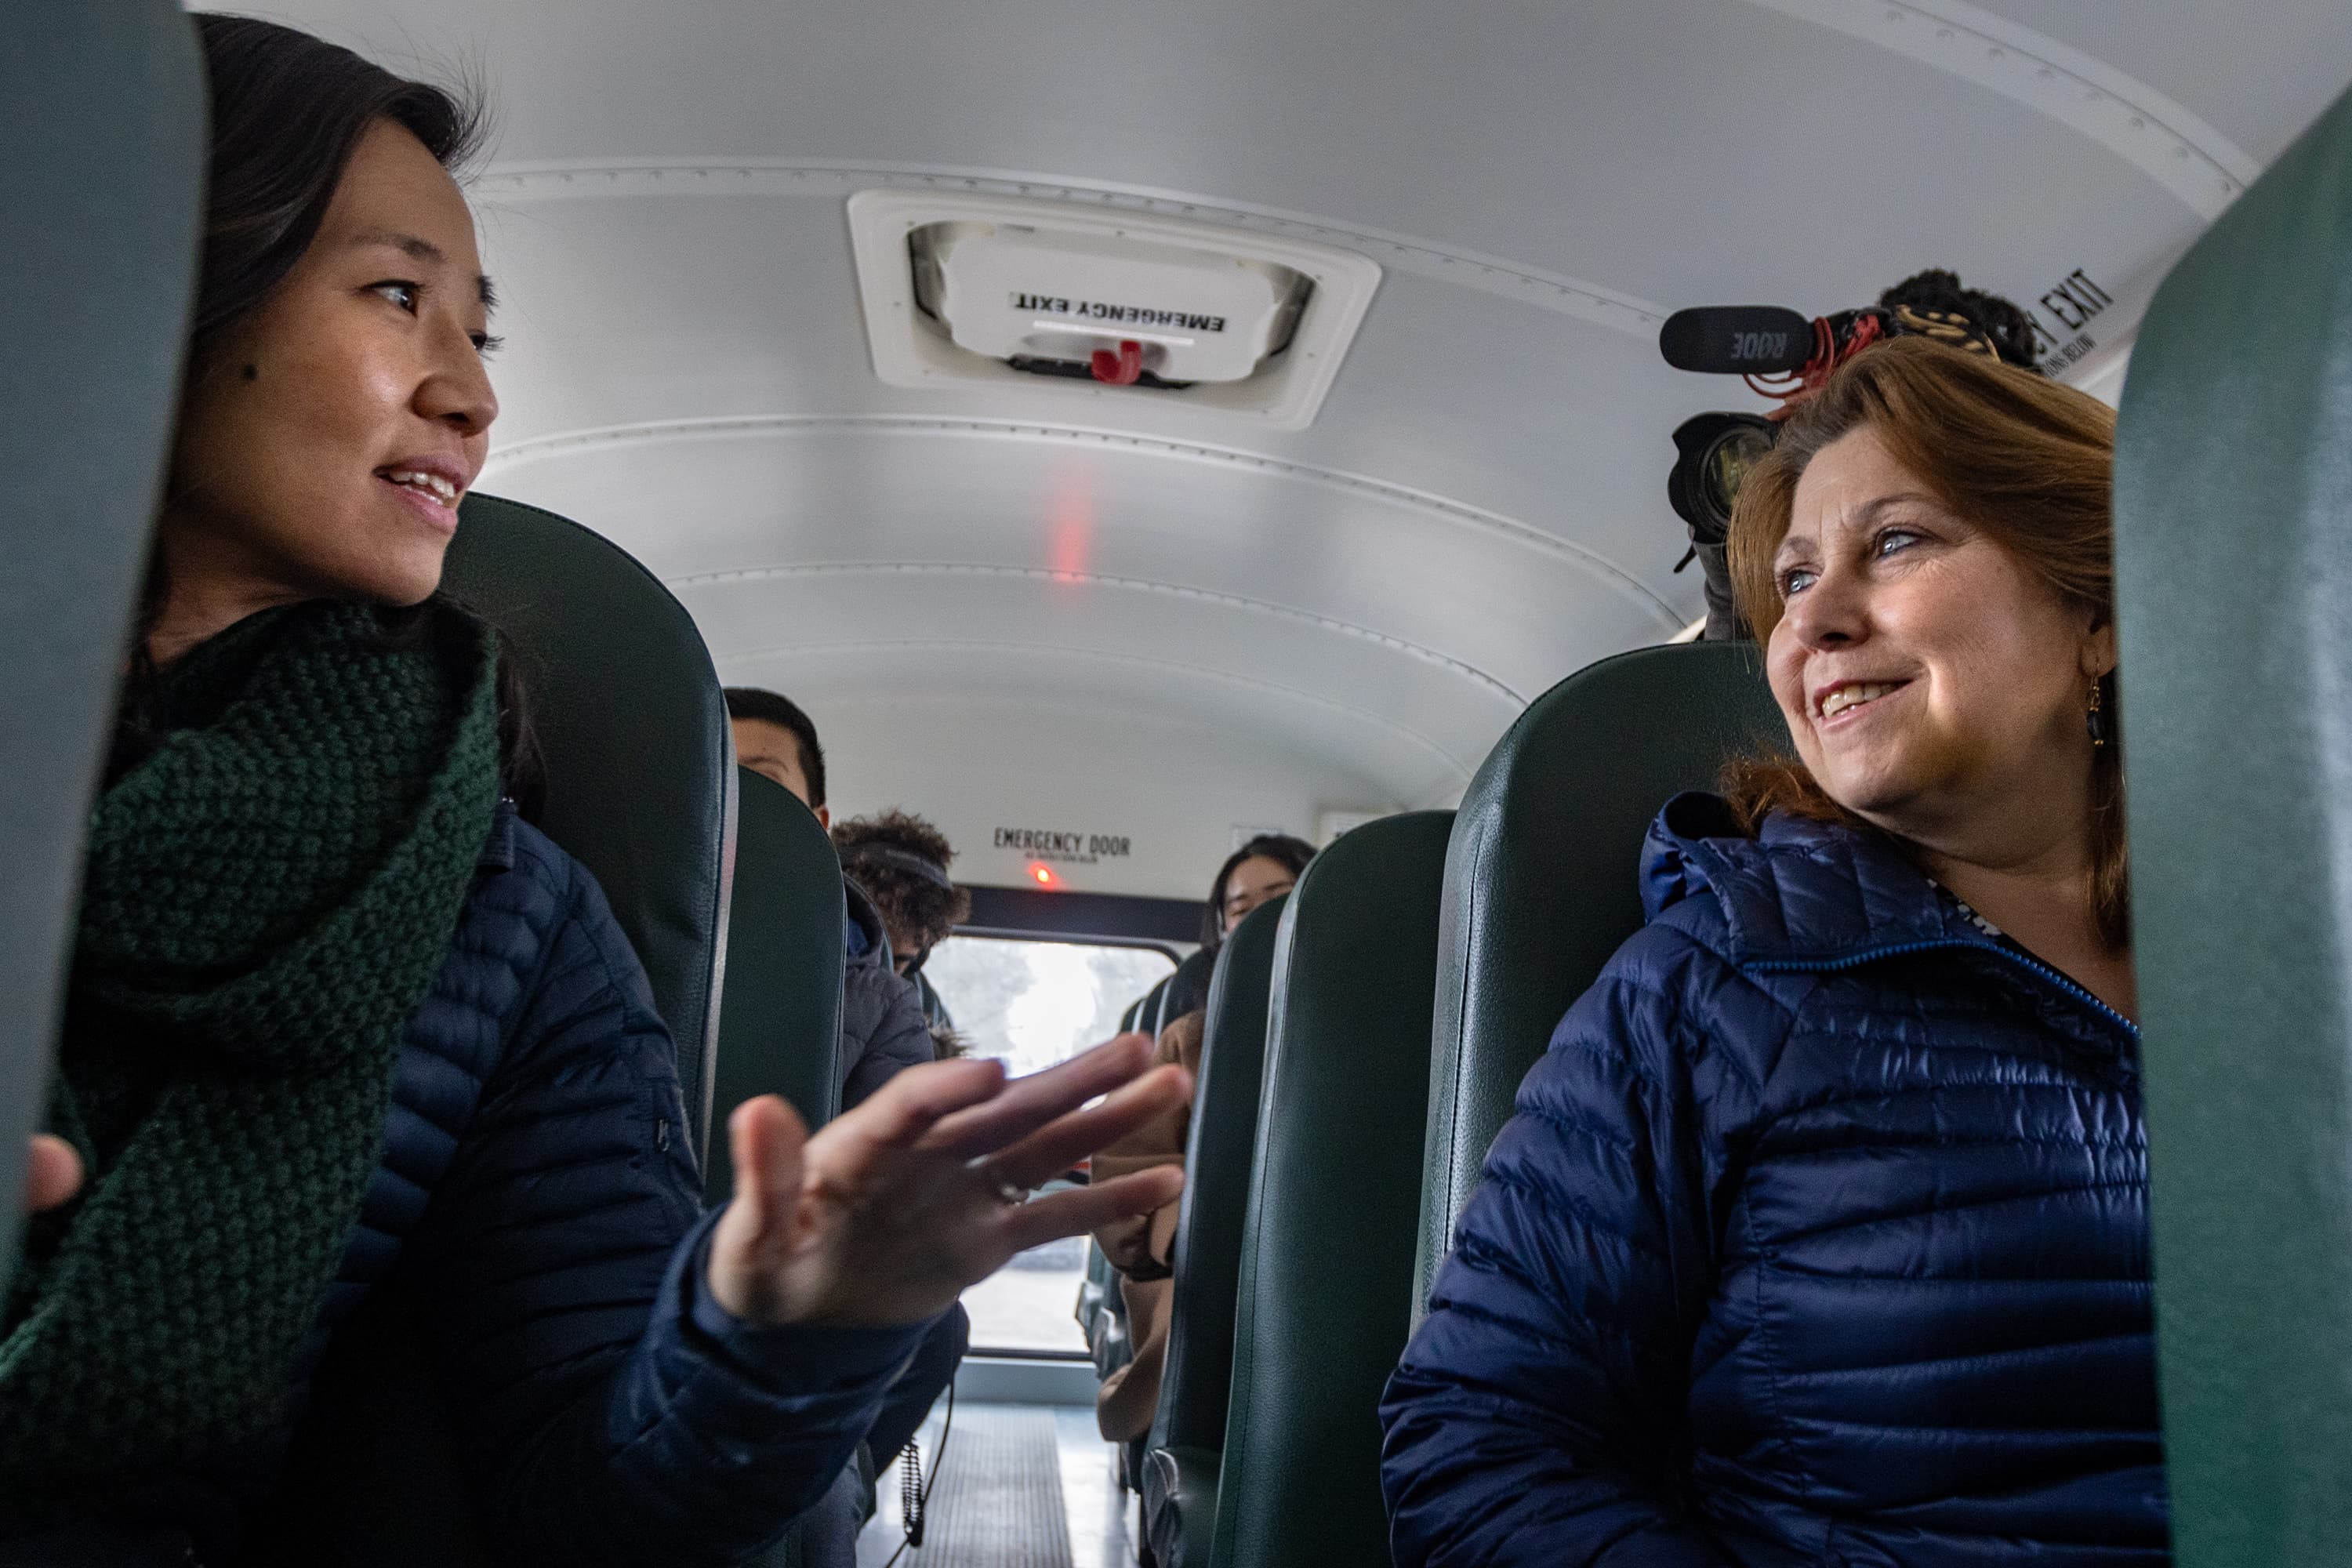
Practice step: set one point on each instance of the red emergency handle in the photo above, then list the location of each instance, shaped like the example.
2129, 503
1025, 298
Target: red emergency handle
1119, 367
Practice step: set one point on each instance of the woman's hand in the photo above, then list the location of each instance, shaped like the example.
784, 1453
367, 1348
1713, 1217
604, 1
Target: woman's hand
52, 1173
885, 1215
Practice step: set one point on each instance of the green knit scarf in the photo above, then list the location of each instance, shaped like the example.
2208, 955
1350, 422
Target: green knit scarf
268, 897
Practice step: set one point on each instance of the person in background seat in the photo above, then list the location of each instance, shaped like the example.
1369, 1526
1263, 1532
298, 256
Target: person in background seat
884, 1029
1143, 1250
1822, 1232
1267, 866
341, 1020
902, 861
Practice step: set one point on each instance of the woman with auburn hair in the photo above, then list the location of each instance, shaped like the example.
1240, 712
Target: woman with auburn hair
1820, 1235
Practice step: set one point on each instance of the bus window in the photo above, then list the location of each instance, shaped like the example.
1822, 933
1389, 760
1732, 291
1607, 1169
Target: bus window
1036, 1003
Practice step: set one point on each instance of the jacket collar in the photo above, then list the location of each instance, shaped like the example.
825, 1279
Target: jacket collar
1800, 892
1807, 895
863, 933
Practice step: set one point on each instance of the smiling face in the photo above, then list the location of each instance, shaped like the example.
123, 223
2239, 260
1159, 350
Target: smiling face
322, 451
1932, 682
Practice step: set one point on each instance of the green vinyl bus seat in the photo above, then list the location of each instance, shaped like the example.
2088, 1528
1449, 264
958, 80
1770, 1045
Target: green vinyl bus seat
640, 760
642, 789
102, 114
1540, 879
1325, 1286
2233, 558
779, 1015
1188, 1429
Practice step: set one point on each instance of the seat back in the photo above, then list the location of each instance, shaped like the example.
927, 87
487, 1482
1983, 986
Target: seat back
102, 113
1540, 879
641, 763
2233, 557
641, 790
1197, 1376
1327, 1249
779, 1017
1145, 1011
1187, 989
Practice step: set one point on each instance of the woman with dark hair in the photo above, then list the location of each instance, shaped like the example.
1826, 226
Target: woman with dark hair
1820, 1235
1265, 867
339, 1017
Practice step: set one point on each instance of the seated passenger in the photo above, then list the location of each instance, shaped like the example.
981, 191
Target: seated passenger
901, 862
883, 1028
1820, 1235
1267, 866
883, 1031
1143, 1250
338, 1016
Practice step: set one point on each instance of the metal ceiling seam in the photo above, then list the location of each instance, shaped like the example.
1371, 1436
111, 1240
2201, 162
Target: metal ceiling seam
537, 449
1052, 650
1319, 622
602, 178
2198, 165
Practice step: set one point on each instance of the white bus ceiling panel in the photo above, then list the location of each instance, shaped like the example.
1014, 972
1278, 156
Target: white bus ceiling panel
925, 618
2255, 74
1671, 150
1523, 606
1351, 735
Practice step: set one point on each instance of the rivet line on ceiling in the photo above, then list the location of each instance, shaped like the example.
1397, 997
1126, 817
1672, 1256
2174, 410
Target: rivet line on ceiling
1426, 654
2191, 160
538, 448
1575, 296
1460, 769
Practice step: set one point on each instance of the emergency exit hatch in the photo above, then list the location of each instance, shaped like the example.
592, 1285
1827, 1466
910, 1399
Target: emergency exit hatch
965, 288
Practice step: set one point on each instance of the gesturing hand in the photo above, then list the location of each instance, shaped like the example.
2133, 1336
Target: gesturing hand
52, 1173
885, 1215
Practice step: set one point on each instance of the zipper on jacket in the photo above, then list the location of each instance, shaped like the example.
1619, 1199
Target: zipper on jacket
1897, 950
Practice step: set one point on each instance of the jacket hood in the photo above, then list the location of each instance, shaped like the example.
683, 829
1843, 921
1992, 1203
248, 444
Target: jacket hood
1799, 891
867, 939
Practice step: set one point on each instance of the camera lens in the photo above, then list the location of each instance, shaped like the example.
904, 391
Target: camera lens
1726, 461
1713, 455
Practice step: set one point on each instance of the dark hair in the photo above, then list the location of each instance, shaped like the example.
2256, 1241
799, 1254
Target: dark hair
2026, 459
903, 867
1279, 848
2007, 328
768, 708
288, 110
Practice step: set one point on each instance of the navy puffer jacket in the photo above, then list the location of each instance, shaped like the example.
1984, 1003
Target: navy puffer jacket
884, 1029
1820, 1236
538, 1193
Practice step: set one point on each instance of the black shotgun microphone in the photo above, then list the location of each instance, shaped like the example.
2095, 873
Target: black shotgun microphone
1737, 340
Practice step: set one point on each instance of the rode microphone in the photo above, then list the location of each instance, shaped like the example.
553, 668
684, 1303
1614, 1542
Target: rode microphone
1737, 340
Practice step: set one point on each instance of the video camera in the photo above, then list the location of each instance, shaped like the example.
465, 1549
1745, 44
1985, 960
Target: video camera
1787, 357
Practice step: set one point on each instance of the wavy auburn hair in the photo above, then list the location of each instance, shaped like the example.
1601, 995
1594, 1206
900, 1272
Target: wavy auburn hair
2027, 460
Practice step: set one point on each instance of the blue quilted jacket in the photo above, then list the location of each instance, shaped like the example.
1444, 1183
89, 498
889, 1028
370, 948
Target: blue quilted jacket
1820, 1236
539, 1193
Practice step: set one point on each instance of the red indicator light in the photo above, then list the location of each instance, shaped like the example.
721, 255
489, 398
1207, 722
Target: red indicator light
1043, 875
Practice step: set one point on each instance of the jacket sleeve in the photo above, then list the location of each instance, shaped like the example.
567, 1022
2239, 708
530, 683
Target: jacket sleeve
899, 1036
1538, 1415
616, 1413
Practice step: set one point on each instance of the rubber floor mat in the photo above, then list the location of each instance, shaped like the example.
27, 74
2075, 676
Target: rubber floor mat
998, 1503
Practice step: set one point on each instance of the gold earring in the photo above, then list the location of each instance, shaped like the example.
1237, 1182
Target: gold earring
2096, 719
